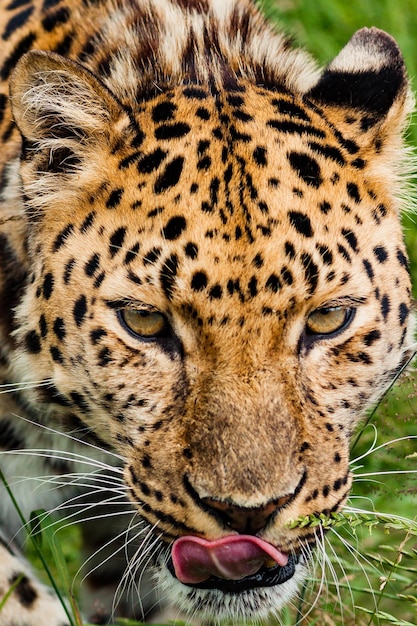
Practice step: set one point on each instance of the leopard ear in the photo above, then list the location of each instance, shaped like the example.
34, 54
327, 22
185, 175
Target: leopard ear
368, 76
61, 109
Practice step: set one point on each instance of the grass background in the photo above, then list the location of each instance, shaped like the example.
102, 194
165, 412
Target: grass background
374, 581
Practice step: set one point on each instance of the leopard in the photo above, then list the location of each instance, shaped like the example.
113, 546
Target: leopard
204, 286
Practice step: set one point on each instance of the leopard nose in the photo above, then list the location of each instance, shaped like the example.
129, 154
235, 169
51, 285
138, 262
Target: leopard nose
245, 520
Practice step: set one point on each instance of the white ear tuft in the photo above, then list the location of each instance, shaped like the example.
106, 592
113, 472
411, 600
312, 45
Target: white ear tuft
57, 103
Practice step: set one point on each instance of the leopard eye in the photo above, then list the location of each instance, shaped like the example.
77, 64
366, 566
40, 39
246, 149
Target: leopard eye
328, 320
144, 324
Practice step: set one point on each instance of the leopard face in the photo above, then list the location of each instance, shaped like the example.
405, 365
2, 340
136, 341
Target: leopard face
217, 289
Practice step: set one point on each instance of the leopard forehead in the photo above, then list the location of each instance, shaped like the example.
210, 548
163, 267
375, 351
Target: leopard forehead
249, 196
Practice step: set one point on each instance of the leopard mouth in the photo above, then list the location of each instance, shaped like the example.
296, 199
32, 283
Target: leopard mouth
264, 577
232, 564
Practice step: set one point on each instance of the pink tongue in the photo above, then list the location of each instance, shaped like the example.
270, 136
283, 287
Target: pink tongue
231, 558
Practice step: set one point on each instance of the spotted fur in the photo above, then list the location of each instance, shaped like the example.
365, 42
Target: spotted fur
179, 157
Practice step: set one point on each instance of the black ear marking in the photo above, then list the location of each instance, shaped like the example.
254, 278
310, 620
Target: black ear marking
368, 74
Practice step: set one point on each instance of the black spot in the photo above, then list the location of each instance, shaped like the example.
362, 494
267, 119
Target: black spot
353, 192
69, 266
235, 100
170, 176
92, 265
306, 167
116, 241
371, 337
88, 222
379, 213
253, 286
311, 272
344, 253
259, 156
173, 229
48, 286
325, 254
204, 164
385, 306
203, 145
134, 278
402, 259
351, 239
337, 484
172, 131
104, 357
195, 93
99, 279
146, 461
287, 277
55, 19
16, 22
152, 161
330, 152
131, 254
273, 283
297, 129
97, 334
152, 256
258, 261
43, 326
290, 250
203, 113
163, 112
403, 312
114, 198
191, 250
24, 590
59, 328
168, 273
368, 269
56, 354
62, 237
325, 207
80, 310
381, 254
79, 400
301, 222
131, 158
216, 292
33, 342
153, 212
238, 136
199, 281
287, 107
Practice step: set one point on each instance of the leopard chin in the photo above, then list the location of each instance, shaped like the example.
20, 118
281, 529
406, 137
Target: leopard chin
219, 604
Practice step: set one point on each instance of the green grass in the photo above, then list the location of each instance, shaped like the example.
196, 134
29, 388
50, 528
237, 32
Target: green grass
374, 581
